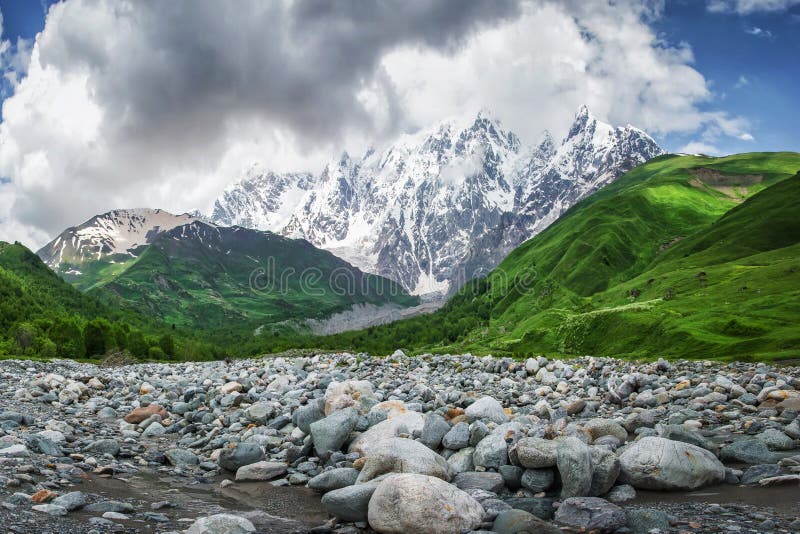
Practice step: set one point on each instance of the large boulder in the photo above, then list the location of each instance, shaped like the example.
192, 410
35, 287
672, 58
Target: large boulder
329, 434
487, 409
419, 503
749, 451
591, 514
406, 423
574, 464
334, 479
401, 455
240, 455
433, 431
486, 481
260, 471
310, 413
351, 502
660, 464
605, 471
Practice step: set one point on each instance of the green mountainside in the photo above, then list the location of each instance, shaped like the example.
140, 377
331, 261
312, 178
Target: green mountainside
685, 256
208, 277
41, 315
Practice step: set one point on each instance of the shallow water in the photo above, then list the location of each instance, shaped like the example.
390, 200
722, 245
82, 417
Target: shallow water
782, 499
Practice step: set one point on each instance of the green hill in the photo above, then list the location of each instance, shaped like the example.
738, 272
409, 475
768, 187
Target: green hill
41, 315
685, 256
209, 277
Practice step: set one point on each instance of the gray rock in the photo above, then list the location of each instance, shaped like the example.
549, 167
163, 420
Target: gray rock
540, 507
605, 427
110, 506
334, 479
538, 480
104, 446
351, 502
749, 451
330, 434
433, 431
621, 493
260, 412
477, 431
605, 471
221, 524
310, 413
51, 509
521, 522
419, 503
401, 455
512, 476
492, 451
260, 471
43, 445
179, 457
457, 437
486, 409
70, 501
681, 433
757, 472
645, 520
776, 440
591, 514
487, 481
534, 453
240, 455
660, 464
574, 464
461, 461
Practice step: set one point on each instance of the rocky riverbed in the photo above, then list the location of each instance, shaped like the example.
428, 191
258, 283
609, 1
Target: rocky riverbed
442, 444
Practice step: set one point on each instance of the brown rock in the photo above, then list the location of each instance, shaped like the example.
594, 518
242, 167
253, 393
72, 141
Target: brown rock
359, 463
140, 414
789, 404
43, 496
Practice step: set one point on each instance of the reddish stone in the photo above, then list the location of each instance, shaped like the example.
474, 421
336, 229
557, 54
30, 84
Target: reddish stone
140, 414
43, 496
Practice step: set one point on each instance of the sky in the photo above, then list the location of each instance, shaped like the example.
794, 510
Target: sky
121, 104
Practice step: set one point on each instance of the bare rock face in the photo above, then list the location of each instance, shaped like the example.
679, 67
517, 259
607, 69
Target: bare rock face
401, 455
660, 464
419, 503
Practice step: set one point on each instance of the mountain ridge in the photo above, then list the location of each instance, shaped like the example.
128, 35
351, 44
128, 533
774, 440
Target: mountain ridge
441, 205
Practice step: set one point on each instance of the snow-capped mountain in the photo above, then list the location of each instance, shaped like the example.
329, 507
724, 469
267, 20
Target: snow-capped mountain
435, 208
109, 234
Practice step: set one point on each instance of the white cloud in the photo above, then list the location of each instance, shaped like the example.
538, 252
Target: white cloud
743, 81
698, 147
163, 104
746, 7
759, 32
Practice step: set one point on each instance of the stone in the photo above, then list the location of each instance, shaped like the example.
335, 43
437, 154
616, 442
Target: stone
351, 502
461, 461
574, 464
137, 415
260, 471
241, 454
487, 481
749, 451
334, 479
260, 412
521, 522
180, 457
110, 506
621, 493
71, 501
330, 434
230, 387
605, 471
50, 509
406, 423
154, 429
538, 480
401, 455
310, 413
419, 503
512, 476
756, 473
16, 450
541, 507
457, 437
486, 409
590, 514
221, 524
645, 520
660, 464
605, 427
534, 453
350, 393
104, 446
776, 440
43, 496
433, 431
492, 451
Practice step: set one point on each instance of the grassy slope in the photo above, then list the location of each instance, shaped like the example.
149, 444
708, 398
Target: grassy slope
619, 273
205, 280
